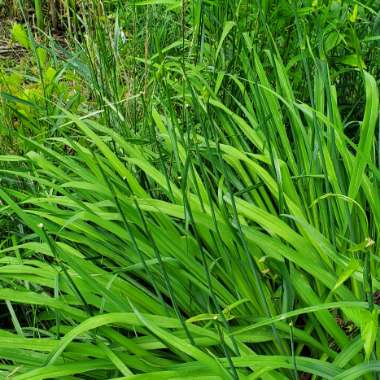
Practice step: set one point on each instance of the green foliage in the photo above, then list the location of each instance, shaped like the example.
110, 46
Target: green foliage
195, 194
20, 35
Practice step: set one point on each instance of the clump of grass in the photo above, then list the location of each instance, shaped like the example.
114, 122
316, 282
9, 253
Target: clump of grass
209, 211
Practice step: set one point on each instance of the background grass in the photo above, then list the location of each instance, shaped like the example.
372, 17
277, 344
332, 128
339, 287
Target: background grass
190, 190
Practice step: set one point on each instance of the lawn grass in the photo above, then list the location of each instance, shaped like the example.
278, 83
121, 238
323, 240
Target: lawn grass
190, 190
